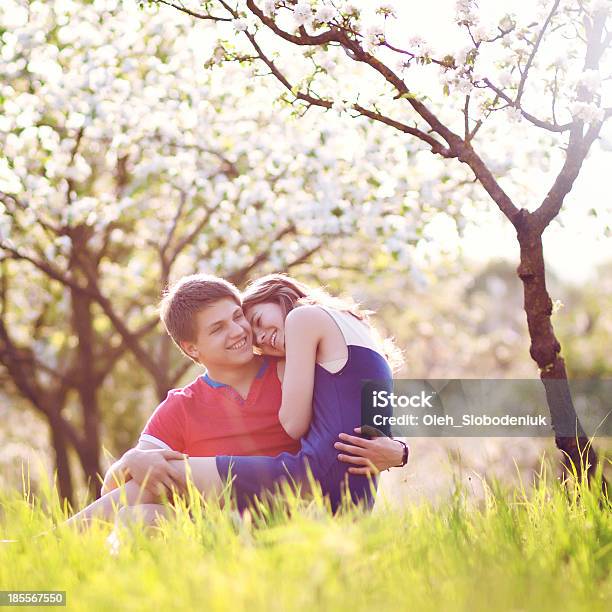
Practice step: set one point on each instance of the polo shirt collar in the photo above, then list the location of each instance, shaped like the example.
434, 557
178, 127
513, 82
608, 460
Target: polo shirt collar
217, 385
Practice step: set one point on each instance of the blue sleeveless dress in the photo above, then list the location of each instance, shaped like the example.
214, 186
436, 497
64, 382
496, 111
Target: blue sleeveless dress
336, 408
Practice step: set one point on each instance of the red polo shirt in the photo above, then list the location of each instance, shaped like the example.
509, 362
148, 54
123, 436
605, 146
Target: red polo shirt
208, 418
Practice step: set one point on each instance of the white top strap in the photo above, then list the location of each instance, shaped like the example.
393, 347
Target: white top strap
355, 332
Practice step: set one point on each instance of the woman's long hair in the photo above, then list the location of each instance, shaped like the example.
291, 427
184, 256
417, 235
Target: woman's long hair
289, 293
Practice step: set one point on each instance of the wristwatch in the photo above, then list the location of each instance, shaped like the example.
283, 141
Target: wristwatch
404, 455
374, 432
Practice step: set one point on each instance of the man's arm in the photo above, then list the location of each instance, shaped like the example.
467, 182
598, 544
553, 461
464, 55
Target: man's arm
146, 462
369, 456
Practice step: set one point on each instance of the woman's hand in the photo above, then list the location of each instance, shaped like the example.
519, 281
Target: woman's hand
369, 456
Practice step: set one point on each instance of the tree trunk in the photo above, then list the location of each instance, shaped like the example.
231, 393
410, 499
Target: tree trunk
90, 454
163, 383
545, 351
90, 462
90, 457
62, 465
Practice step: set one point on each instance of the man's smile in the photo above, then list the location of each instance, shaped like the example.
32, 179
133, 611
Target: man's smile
238, 345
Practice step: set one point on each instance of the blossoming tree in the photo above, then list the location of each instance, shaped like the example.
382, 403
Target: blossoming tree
506, 67
123, 166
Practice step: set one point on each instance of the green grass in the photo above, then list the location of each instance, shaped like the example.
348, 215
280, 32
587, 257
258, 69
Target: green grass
546, 550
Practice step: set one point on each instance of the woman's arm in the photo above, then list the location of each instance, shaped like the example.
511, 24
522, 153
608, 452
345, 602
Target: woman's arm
304, 327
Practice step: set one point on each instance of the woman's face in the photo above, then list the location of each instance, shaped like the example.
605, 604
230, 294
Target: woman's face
268, 323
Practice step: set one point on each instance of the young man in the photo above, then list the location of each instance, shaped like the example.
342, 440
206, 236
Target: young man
233, 408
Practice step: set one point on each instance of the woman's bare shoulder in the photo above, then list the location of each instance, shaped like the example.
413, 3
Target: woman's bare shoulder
309, 314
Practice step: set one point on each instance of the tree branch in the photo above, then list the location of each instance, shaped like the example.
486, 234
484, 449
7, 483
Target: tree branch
436, 146
457, 146
29, 389
190, 237
111, 356
534, 50
48, 269
303, 39
238, 277
187, 11
131, 339
303, 257
579, 144
546, 125
576, 153
173, 226
176, 376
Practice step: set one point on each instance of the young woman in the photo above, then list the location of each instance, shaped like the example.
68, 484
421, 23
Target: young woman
330, 348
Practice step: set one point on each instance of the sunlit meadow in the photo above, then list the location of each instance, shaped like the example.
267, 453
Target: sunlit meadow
549, 549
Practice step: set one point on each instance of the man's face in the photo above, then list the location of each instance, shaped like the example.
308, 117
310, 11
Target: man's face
224, 336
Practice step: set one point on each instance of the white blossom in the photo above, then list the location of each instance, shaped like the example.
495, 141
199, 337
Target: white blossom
506, 22
418, 278
302, 13
600, 5
466, 12
462, 55
590, 80
269, 8
240, 25
327, 63
505, 79
586, 111
357, 26
463, 86
514, 114
80, 169
374, 35
129, 80
560, 60
419, 46
325, 14
478, 76
402, 64
387, 9
351, 10
218, 55
9, 182
6, 222
483, 32
63, 244
341, 106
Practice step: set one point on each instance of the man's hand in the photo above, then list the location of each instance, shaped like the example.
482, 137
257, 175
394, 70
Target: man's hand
153, 470
115, 476
369, 456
